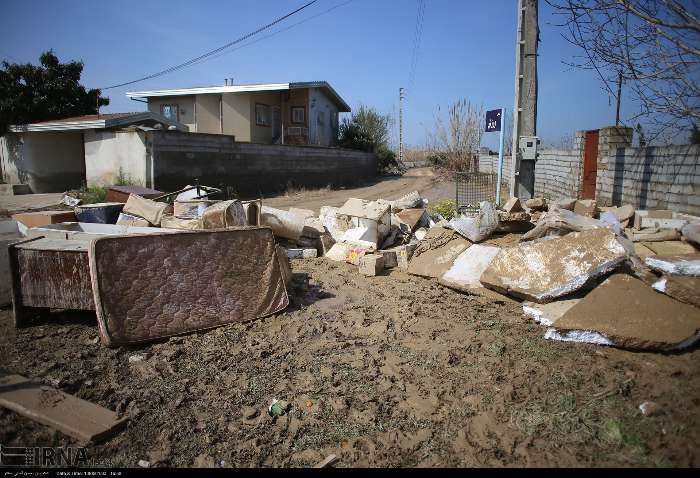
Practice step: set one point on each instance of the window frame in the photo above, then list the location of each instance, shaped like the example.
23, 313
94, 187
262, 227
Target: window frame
171, 105
269, 115
303, 110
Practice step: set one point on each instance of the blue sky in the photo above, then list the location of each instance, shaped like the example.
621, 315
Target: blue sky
363, 49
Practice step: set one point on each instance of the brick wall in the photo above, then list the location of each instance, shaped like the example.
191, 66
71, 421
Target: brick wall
665, 177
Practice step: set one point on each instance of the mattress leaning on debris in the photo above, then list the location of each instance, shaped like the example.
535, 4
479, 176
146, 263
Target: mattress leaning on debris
155, 286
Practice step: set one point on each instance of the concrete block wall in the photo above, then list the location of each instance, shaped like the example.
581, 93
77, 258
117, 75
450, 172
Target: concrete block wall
558, 173
252, 170
665, 177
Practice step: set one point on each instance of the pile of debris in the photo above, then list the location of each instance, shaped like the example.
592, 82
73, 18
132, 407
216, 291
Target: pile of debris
605, 275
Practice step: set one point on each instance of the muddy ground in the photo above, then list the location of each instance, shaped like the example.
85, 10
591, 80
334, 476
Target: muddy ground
393, 370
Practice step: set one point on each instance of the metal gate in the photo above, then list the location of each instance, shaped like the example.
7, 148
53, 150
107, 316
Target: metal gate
472, 188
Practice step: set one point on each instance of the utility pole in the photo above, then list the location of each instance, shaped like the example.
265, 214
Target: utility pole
619, 94
401, 92
522, 176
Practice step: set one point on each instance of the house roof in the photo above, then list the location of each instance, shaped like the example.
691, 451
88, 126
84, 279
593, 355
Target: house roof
342, 105
102, 121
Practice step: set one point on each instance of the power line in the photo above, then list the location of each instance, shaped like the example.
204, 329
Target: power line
417, 36
282, 30
212, 52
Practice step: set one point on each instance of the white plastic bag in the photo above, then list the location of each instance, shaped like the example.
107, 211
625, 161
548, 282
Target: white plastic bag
478, 228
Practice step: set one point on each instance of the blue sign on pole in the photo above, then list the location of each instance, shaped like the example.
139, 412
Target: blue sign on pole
493, 120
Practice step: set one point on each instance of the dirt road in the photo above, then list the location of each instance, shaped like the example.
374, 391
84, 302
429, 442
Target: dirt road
422, 180
392, 370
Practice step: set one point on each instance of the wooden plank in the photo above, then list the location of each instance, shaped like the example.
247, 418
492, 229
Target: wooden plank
328, 461
68, 414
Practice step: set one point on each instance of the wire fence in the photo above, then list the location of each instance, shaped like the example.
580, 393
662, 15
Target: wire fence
471, 188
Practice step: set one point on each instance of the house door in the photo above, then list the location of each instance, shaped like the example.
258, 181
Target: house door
590, 165
276, 124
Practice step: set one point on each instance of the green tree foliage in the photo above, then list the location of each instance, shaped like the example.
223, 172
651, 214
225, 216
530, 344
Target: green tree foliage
52, 90
369, 130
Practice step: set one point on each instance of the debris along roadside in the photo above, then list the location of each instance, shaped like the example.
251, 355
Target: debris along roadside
552, 255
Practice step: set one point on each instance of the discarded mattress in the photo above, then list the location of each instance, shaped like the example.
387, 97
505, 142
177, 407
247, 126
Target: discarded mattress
150, 287
542, 271
625, 312
436, 253
468, 267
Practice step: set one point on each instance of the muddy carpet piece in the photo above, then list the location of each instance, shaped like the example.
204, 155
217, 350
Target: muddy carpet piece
149, 287
436, 253
625, 312
543, 271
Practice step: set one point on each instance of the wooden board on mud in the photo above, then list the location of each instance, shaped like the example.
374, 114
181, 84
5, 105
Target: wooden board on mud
68, 414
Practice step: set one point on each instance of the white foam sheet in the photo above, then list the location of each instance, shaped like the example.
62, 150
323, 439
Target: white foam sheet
469, 265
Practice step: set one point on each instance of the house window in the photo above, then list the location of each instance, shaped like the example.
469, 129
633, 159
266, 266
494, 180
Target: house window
170, 111
262, 114
298, 115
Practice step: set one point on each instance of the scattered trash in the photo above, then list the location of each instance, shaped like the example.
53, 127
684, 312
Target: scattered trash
71, 201
278, 408
100, 213
586, 207
301, 253
692, 233
543, 271
283, 223
435, 254
625, 312
477, 228
650, 409
536, 204
682, 288
686, 265
144, 464
73, 416
559, 222
371, 264
326, 462
467, 268
129, 220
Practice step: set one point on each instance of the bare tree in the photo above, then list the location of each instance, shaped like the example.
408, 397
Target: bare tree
458, 136
650, 46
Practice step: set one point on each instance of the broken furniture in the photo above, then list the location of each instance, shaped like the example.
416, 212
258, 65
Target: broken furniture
86, 231
100, 213
148, 286
121, 193
49, 274
9, 233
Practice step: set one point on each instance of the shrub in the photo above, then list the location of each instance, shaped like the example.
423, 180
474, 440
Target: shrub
446, 208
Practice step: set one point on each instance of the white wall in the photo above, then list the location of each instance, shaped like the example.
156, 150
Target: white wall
47, 161
108, 151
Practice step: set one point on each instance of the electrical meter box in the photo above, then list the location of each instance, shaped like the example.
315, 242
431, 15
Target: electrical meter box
528, 147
